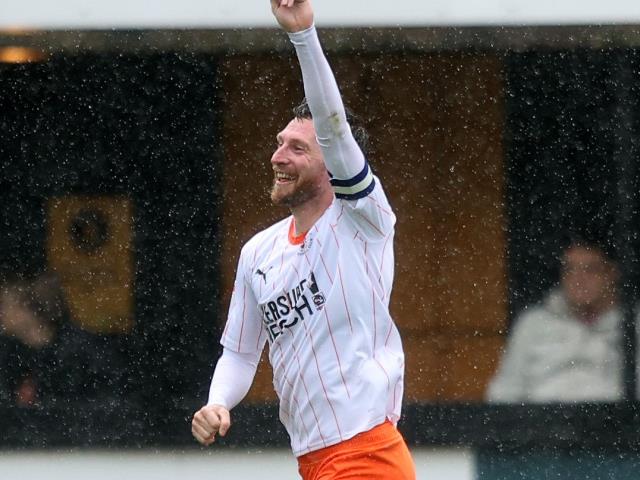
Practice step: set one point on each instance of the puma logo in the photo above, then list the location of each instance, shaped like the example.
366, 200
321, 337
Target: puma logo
263, 274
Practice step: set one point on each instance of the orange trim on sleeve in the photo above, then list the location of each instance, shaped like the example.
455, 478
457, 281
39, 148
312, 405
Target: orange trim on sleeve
293, 239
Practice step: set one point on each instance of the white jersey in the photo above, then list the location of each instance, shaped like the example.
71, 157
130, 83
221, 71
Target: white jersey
321, 301
322, 304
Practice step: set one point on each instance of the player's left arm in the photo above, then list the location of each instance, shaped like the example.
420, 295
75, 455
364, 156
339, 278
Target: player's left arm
352, 178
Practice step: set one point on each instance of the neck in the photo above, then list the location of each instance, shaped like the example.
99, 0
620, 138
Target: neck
587, 315
307, 214
590, 313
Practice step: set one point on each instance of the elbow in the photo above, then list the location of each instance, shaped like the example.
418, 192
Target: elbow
333, 126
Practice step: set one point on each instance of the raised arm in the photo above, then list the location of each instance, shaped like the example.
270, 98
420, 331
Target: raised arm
343, 157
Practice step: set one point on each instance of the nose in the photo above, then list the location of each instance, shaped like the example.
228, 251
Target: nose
278, 157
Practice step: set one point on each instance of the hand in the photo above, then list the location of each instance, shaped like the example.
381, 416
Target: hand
209, 421
293, 15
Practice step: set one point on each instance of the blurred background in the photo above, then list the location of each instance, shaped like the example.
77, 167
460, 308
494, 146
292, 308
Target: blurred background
134, 156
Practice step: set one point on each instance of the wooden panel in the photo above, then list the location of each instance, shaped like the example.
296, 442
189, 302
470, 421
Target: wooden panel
259, 96
423, 366
436, 124
262, 389
443, 367
89, 245
467, 366
259, 93
439, 149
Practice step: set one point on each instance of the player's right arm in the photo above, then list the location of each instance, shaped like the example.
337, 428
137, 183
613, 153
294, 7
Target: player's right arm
243, 340
210, 421
231, 381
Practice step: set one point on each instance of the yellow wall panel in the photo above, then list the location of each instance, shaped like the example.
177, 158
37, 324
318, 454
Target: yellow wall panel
89, 245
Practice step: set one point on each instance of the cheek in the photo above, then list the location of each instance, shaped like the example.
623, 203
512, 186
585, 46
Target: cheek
587, 284
319, 168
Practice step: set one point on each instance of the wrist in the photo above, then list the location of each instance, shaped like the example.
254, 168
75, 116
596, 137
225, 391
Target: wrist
302, 34
299, 28
218, 401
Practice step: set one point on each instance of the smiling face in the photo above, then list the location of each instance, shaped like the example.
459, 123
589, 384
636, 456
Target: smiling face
300, 175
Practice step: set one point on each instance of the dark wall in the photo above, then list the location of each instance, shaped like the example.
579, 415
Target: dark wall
148, 128
145, 127
436, 123
565, 114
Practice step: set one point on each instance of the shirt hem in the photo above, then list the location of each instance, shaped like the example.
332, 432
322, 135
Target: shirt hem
335, 440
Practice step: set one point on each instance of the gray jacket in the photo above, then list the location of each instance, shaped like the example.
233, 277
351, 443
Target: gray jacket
551, 356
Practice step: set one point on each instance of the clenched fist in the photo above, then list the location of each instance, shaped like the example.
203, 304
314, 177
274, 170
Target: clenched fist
210, 421
293, 15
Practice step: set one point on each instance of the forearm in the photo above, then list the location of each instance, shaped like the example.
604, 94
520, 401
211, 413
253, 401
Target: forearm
232, 378
343, 157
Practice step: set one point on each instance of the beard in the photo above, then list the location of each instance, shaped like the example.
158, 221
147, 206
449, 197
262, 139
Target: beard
293, 195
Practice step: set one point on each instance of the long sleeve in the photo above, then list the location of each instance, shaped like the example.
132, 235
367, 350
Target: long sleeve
243, 331
366, 204
232, 378
351, 177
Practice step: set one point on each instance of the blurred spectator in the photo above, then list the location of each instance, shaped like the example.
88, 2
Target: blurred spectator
568, 348
43, 356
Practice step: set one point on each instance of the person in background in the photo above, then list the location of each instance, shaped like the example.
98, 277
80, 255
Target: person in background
44, 357
567, 348
25, 345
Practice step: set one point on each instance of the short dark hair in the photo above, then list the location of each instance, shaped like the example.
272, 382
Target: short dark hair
302, 111
591, 239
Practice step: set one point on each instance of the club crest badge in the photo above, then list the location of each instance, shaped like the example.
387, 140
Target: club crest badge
316, 295
306, 245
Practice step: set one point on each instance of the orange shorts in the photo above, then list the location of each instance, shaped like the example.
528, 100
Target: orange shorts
378, 454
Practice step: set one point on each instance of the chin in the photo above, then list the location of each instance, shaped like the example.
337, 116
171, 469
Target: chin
278, 198
278, 202
293, 197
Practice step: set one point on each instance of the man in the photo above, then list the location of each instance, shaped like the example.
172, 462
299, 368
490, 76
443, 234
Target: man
316, 286
568, 349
